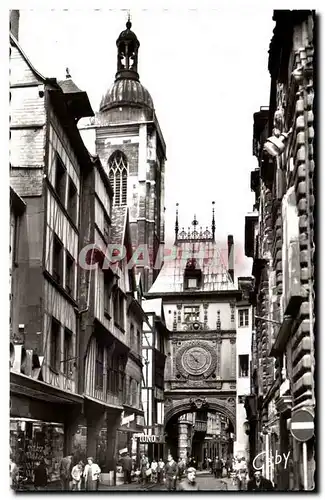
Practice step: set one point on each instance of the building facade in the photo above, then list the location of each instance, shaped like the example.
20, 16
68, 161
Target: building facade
126, 136
244, 325
47, 157
76, 316
280, 238
199, 300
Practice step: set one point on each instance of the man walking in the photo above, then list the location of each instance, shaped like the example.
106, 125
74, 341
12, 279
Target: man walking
171, 471
127, 468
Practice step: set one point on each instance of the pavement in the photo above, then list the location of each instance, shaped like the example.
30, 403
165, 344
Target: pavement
206, 482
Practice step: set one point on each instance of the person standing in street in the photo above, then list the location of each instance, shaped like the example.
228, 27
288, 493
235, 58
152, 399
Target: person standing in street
181, 468
161, 470
189, 483
76, 475
171, 471
127, 468
144, 465
91, 475
218, 467
259, 483
40, 476
65, 472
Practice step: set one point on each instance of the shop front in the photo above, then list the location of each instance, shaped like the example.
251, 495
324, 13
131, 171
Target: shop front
153, 446
42, 425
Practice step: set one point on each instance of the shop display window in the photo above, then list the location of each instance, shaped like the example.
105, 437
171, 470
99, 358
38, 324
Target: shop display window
32, 441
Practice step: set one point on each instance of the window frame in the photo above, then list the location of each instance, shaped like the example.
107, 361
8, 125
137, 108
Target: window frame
57, 273
69, 289
118, 177
60, 189
99, 374
69, 354
193, 315
240, 367
243, 318
72, 209
54, 360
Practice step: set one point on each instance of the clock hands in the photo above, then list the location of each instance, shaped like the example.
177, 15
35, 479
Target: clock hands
195, 359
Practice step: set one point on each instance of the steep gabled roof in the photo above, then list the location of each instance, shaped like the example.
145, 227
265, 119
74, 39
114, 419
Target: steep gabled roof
38, 75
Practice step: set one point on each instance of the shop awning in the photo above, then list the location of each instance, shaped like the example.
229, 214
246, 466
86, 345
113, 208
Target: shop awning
27, 386
103, 403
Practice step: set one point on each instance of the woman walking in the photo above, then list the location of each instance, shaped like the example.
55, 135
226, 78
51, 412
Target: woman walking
91, 475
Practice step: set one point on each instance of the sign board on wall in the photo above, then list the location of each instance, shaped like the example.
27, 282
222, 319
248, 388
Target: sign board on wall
145, 438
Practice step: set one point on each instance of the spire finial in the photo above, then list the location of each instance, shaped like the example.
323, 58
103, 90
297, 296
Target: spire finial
128, 23
176, 222
67, 75
195, 222
213, 221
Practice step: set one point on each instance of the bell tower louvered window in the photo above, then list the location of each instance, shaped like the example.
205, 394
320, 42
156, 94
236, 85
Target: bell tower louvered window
118, 176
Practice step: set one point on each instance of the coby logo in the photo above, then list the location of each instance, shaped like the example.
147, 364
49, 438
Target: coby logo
261, 460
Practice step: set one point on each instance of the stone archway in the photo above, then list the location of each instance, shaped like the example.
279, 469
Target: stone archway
225, 407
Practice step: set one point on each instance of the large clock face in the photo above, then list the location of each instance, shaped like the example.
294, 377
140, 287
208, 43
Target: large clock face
196, 360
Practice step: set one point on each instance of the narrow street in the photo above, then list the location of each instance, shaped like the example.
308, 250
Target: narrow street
206, 482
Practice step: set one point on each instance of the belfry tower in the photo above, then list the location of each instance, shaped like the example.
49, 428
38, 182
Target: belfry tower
131, 146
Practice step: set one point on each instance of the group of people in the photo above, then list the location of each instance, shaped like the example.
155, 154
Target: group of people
73, 476
160, 472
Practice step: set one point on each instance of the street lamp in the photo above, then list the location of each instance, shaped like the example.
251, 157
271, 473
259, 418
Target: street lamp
274, 146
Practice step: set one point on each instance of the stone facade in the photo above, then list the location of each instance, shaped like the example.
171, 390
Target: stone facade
280, 238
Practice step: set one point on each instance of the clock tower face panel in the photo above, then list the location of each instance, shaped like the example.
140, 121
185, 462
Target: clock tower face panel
196, 360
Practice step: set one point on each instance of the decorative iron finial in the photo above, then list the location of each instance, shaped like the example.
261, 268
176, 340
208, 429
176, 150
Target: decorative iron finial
195, 222
213, 221
176, 222
67, 73
128, 23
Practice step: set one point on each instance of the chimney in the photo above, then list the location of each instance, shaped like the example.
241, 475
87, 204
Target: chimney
14, 23
231, 256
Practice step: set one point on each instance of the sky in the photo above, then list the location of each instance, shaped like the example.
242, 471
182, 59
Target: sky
206, 70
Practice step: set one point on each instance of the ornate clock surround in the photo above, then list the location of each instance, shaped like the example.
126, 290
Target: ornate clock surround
206, 369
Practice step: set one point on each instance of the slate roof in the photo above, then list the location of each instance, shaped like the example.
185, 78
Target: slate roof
213, 264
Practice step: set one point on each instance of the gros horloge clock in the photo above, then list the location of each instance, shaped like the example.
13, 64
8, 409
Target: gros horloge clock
197, 358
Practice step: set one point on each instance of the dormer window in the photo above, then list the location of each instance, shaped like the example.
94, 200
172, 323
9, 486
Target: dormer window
192, 275
192, 283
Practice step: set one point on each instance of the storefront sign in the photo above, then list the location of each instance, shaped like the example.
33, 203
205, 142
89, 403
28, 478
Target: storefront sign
124, 450
128, 419
145, 438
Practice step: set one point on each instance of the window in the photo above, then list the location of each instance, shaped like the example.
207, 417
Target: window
72, 201
132, 337
107, 293
192, 283
118, 174
191, 313
55, 345
243, 317
69, 274
116, 307
57, 270
112, 375
67, 352
60, 179
121, 311
106, 228
138, 342
99, 369
243, 365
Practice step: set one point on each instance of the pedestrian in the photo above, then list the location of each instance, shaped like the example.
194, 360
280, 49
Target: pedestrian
91, 475
181, 468
144, 465
14, 474
171, 471
189, 483
229, 466
161, 470
154, 470
127, 468
65, 472
76, 474
40, 476
259, 483
218, 467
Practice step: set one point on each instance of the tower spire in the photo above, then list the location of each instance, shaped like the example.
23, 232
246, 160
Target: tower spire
213, 226
127, 53
176, 222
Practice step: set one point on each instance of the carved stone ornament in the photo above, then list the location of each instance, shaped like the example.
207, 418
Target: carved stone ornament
194, 326
198, 403
196, 359
231, 401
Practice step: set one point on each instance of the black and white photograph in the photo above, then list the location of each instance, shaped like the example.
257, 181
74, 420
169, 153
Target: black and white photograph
162, 248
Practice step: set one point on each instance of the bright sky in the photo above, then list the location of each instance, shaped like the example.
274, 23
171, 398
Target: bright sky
206, 71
